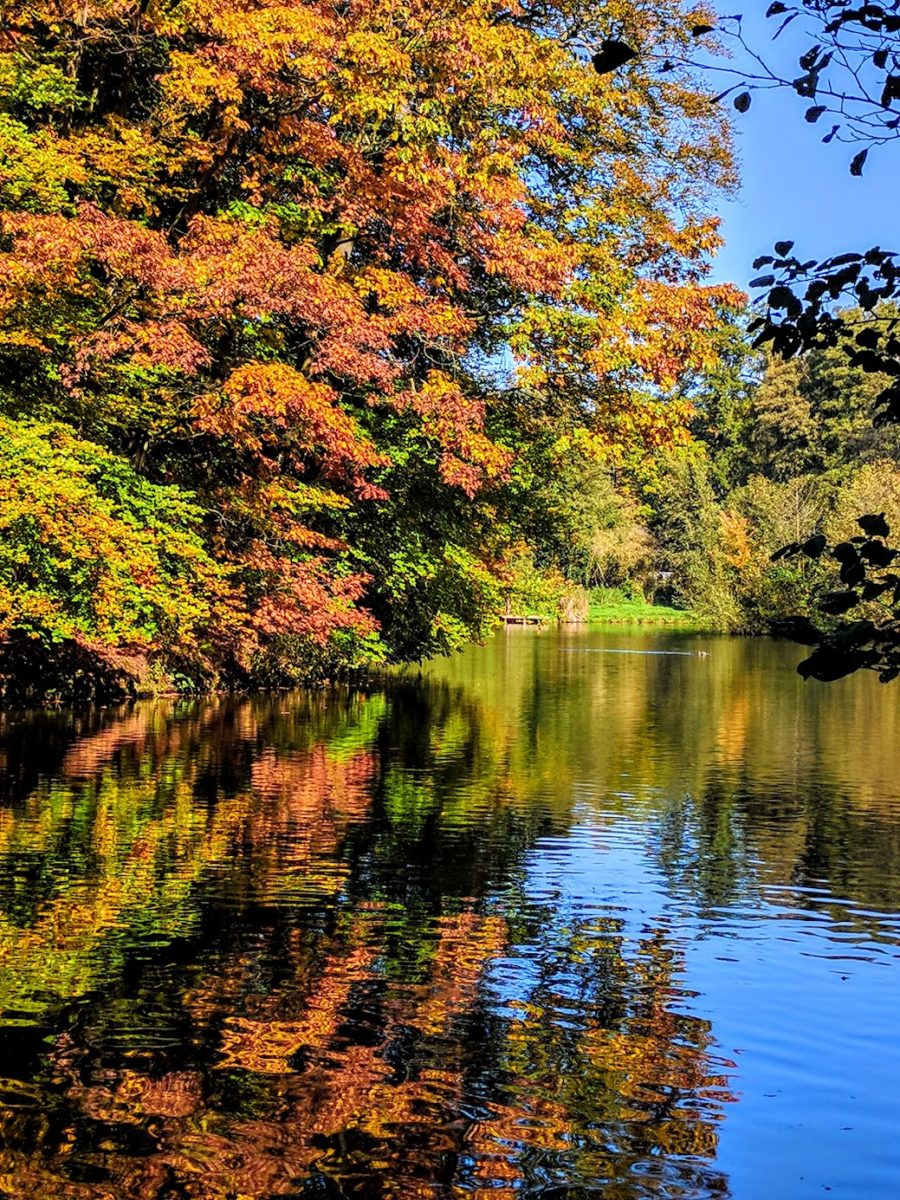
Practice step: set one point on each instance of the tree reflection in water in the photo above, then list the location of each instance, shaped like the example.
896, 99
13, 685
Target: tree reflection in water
260, 948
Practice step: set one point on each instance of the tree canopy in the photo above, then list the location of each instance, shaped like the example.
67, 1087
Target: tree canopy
319, 273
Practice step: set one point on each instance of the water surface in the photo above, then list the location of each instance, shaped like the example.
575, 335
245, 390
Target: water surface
572, 914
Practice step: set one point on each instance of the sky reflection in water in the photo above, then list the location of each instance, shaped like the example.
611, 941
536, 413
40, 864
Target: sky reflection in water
534, 922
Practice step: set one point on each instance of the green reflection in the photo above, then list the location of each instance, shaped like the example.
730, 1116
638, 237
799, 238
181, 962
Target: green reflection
301, 946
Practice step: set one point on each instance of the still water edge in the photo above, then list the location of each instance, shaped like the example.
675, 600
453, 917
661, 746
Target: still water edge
571, 914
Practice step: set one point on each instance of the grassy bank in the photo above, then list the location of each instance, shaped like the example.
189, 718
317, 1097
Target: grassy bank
612, 606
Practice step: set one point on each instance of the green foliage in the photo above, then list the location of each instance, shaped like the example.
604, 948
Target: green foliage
857, 625
784, 451
529, 590
689, 528
623, 604
96, 558
724, 399
815, 414
33, 175
270, 256
875, 487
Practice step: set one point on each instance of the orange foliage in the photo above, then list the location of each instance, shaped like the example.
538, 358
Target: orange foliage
256, 246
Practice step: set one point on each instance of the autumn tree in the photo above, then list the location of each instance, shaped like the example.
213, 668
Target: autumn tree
270, 254
848, 77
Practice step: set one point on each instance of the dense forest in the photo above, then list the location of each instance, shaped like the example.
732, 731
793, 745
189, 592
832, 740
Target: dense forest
327, 330
780, 451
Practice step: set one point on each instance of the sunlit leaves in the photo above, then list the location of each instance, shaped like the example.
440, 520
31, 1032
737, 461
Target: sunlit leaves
263, 253
92, 554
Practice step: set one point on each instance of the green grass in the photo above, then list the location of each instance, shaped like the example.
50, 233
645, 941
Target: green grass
611, 605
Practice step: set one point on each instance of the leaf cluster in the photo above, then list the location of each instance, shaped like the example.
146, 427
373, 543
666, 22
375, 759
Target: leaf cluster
869, 593
802, 301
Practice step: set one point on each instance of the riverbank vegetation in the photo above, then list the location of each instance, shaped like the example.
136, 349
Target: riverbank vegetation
300, 303
780, 452
618, 606
326, 333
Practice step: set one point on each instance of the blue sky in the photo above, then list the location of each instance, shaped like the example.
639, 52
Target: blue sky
793, 186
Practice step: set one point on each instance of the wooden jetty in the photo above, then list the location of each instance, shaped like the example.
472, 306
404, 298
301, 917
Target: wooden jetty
526, 619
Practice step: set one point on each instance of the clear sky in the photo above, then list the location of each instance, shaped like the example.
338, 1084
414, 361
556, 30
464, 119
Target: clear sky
793, 186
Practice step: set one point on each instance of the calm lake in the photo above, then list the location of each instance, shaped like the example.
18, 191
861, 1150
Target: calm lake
574, 914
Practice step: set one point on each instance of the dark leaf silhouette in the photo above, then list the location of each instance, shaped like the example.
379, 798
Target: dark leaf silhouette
870, 642
891, 90
877, 553
874, 524
742, 102
814, 306
784, 24
799, 629
699, 30
807, 85
838, 603
809, 59
612, 55
826, 665
782, 297
872, 591
814, 547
